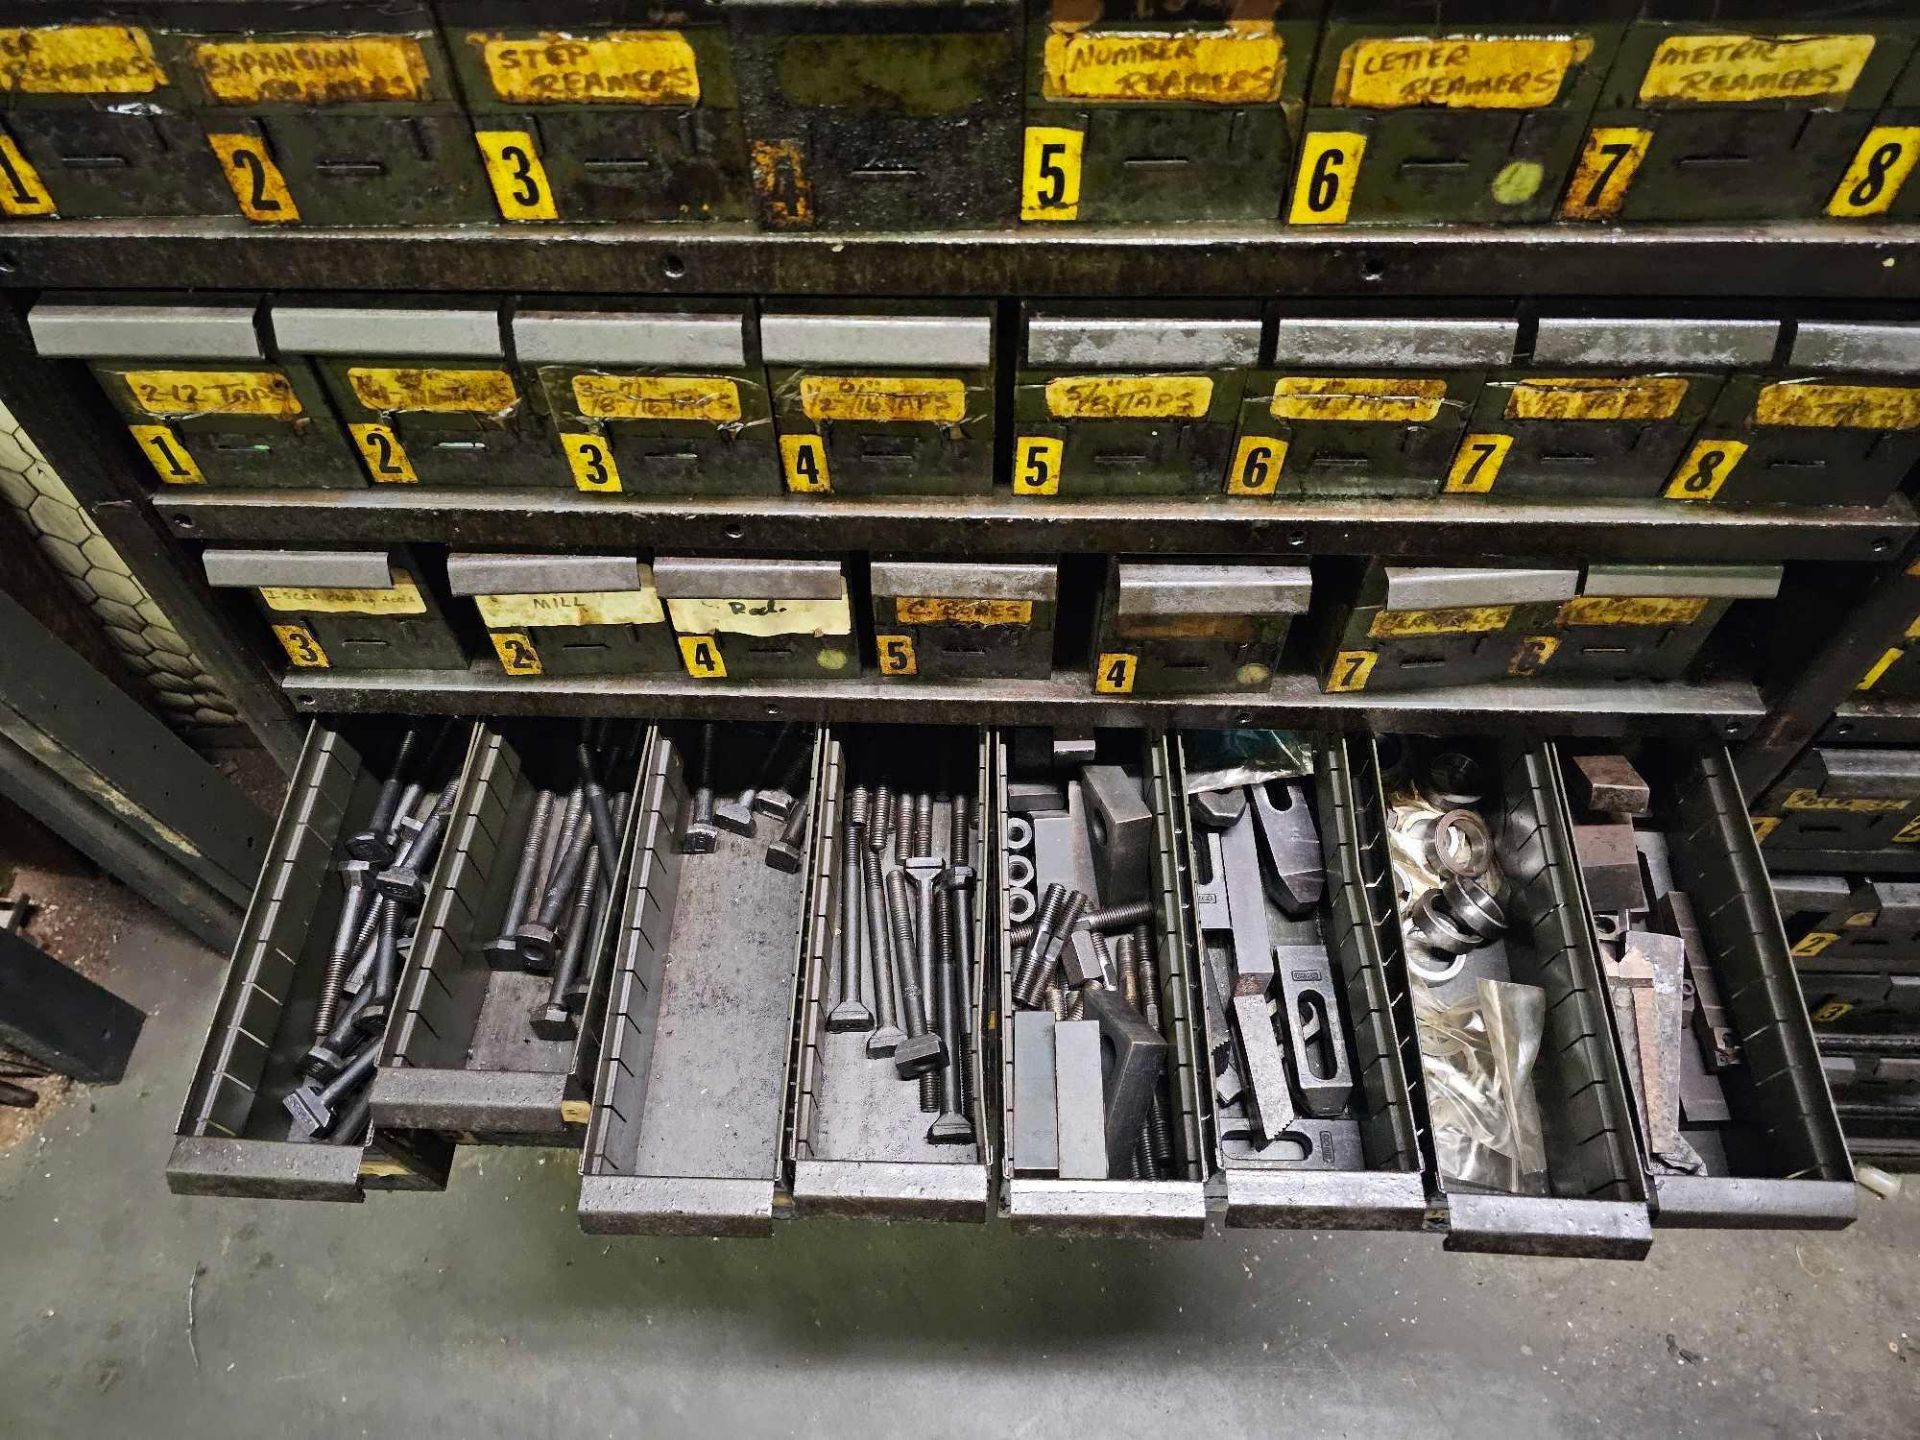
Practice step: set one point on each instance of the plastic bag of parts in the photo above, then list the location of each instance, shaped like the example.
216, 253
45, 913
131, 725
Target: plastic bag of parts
1477, 1056
1227, 759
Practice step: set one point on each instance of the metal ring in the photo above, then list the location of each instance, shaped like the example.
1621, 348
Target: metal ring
1474, 906
1471, 856
1454, 780
1438, 929
1020, 906
1019, 871
1019, 832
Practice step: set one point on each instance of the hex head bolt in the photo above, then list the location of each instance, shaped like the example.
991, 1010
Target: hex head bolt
1147, 982
698, 834
539, 935
887, 1033
850, 1013
1029, 982
605, 840
352, 905
503, 951
312, 1107
921, 1050
375, 843
952, 1127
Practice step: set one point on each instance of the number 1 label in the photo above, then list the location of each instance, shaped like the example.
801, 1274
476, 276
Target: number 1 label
169, 457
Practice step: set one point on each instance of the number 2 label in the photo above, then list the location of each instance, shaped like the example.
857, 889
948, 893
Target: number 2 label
382, 454
258, 186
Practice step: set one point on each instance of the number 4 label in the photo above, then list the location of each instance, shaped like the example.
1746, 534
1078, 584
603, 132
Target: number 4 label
1113, 673
1323, 185
701, 655
1050, 174
804, 458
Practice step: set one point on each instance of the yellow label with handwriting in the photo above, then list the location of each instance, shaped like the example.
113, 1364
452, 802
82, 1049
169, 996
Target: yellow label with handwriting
1130, 397
1243, 64
896, 655
1566, 397
436, 392
763, 617
169, 457
576, 607
1632, 609
1704, 469
803, 460
401, 598
1350, 671
1476, 464
303, 650
1453, 620
1608, 162
1817, 405
259, 189
1356, 397
657, 397
518, 655
521, 190
1879, 668
1881, 166
1050, 173
1731, 69
1861, 805
1324, 179
1814, 941
1457, 72
619, 67
1763, 826
591, 460
700, 654
319, 70
212, 392
384, 456
79, 60
883, 397
22, 191
1257, 463
938, 610
1114, 672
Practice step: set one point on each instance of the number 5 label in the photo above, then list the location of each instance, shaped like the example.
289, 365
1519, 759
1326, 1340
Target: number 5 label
1050, 174
1329, 169
1036, 465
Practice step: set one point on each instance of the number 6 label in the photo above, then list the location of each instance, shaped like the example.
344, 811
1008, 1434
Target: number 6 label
1329, 169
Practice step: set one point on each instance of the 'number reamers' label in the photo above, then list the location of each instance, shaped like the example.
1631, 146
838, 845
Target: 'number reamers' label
1819, 406
1130, 397
1457, 73
883, 397
402, 598
657, 397
79, 60
1730, 69
583, 607
440, 392
213, 392
323, 70
623, 67
761, 617
1243, 64
1357, 397
1655, 397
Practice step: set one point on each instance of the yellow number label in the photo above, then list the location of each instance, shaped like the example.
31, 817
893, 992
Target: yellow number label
1763, 826
1814, 941
1351, 669
1908, 833
169, 457
1531, 655
1050, 176
701, 655
804, 459
1880, 167
22, 192
1607, 166
1036, 465
1256, 466
896, 655
1113, 673
516, 652
1704, 469
590, 458
1476, 464
302, 649
383, 455
1831, 1011
258, 187
518, 178
1329, 169
1880, 667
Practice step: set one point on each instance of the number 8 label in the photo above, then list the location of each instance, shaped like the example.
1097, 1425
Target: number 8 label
1880, 168
1704, 470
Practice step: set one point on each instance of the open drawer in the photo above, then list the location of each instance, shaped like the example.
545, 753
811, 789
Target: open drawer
1094, 816
496, 1039
237, 1134
1305, 1042
1529, 974
1735, 1126
685, 1135
866, 1140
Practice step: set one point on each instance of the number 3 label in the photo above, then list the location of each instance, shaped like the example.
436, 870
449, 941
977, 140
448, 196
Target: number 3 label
519, 179
1323, 186
1050, 175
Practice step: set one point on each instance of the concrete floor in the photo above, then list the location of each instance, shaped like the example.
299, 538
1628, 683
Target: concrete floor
485, 1311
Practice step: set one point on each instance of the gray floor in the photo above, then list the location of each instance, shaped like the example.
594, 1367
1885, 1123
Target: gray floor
484, 1311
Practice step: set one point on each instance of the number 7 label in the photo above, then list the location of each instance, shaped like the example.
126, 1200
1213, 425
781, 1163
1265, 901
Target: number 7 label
1476, 465
1607, 166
